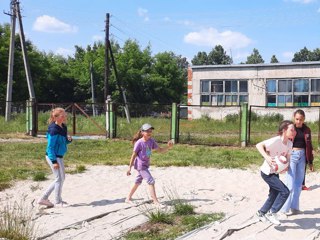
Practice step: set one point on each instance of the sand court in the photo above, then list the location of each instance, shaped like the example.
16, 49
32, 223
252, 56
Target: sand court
97, 209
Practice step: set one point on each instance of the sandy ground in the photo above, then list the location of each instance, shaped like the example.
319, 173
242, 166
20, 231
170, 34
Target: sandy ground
97, 209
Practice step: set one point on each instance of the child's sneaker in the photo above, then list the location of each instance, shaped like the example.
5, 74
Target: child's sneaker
45, 202
61, 204
272, 217
261, 216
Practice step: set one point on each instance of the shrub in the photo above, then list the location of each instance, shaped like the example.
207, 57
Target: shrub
39, 176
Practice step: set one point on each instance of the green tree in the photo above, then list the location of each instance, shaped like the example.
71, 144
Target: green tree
255, 57
274, 59
168, 78
304, 55
200, 59
218, 56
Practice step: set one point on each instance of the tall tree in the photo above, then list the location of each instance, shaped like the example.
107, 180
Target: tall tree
274, 59
255, 57
303, 55
218, 56
200, 59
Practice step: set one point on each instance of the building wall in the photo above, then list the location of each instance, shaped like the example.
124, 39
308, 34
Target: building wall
256, 74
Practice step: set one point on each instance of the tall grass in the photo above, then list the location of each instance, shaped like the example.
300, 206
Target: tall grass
16, 222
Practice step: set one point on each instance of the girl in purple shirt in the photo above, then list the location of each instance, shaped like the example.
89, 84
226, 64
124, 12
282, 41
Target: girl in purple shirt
140, 159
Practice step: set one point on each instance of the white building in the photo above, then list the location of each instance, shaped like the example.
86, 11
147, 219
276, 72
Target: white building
292, 85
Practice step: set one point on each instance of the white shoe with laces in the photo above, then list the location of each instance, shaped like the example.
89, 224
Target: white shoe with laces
273, 218
261, 216
61, 204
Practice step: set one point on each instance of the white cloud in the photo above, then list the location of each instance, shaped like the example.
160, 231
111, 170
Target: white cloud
64, 52
143, 13
97, 38
50, 24
318, 10
303, 1
186, 23
288, 56
211, 37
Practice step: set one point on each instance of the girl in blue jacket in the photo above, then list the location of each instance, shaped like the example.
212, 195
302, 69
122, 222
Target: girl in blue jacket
56, 148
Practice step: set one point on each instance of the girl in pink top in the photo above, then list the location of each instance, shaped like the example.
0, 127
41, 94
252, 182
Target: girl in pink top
140, 159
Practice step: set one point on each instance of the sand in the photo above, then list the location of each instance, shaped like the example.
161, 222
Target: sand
97, 209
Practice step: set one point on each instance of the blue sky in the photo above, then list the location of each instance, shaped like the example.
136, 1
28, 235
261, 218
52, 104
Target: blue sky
280, 27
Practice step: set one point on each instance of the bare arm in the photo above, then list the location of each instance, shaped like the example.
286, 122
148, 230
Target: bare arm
165, 149
262, 150
133, 157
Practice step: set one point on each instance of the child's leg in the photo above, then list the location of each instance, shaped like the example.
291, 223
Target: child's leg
153, 194
132, 191
138, 181
147, 176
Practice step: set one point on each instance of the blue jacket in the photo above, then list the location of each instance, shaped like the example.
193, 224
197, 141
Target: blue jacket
57, 141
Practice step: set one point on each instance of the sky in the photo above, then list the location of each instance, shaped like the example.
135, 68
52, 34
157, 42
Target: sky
185, 27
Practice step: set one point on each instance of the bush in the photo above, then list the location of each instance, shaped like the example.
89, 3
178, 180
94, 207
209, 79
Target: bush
39, 176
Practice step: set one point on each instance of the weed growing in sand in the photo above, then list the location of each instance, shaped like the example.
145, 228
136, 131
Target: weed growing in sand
78, 169
39, 176
16, 222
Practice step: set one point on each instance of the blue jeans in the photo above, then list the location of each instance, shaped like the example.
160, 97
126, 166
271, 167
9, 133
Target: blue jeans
278, 193
295, 176
57, 184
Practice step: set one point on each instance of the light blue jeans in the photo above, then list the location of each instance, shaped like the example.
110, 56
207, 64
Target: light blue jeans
295, 177
57, 184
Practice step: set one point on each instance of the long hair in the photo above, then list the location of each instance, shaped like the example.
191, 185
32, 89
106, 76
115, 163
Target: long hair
299, 111
136, 137
54, 114
284, 126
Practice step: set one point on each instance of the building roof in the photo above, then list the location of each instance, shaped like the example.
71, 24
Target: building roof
260, 65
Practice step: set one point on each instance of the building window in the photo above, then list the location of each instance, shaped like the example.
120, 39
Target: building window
223, 92
293, 92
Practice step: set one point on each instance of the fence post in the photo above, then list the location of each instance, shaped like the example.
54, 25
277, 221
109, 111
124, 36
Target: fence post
110, 117
33, 114
28, 118
31, 119
244, 124
174, 123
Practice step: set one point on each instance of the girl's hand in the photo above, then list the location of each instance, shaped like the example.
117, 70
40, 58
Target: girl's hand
129, 172
270, 161
170, 144
56, 165
311, 167
69, 138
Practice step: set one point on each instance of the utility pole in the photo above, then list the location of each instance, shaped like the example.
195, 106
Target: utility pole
14, 13
106, 74
92, 90
121, 89
11, 60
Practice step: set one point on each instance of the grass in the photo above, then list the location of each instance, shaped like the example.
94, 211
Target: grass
164, 225
16, 222
23, 160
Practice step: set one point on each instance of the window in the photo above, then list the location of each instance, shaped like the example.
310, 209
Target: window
301, 85
216, 86
315, 85
224, 92
243, 86
285, 86
293, 92
271, 86
205, 86
231, 86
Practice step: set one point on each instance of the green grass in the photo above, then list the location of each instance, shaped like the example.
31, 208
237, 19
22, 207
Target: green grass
23, 160
177, 226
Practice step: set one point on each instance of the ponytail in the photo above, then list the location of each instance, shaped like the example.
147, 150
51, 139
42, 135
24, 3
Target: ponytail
136, 137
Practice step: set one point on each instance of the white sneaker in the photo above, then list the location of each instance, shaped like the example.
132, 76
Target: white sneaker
261, 216
61, 204
272, 217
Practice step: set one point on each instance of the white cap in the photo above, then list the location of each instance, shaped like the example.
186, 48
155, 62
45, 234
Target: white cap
146, 127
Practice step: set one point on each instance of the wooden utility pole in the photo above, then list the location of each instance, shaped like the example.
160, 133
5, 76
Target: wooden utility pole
121, 89
106, 74
14, 13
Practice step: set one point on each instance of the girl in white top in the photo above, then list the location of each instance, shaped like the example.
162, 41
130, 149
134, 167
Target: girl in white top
278, 192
